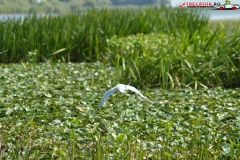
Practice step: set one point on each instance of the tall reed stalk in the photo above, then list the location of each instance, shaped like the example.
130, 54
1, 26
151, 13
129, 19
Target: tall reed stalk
82, 36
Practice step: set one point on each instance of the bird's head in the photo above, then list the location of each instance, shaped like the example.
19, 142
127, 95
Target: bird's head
121, 87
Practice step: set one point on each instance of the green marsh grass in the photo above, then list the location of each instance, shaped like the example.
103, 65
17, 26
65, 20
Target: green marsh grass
229, 25
178, 60
152, 46
49, 110
82, 36
165, 47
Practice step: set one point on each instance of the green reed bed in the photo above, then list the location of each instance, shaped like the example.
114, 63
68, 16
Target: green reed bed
229, 25
208, 58
49, 110
164, 47
82, 36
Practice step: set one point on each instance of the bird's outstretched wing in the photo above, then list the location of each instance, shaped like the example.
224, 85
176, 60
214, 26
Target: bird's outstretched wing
136, 91
106, 95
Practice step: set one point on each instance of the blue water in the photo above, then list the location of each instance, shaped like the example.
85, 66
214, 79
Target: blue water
224, 14
214, 14
13, 16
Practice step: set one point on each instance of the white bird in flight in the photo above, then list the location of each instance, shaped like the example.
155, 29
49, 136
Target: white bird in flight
122, 88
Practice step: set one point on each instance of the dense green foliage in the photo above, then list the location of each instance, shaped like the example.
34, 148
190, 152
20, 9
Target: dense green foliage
84, 34
50, 112
155, 47
172, 61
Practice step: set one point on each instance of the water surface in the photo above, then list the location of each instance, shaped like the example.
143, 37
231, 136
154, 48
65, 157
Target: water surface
214, 14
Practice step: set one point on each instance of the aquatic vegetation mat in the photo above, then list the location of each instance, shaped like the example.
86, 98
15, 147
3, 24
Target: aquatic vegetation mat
50, 112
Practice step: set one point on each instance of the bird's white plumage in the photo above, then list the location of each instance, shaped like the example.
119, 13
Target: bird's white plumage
121, 88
